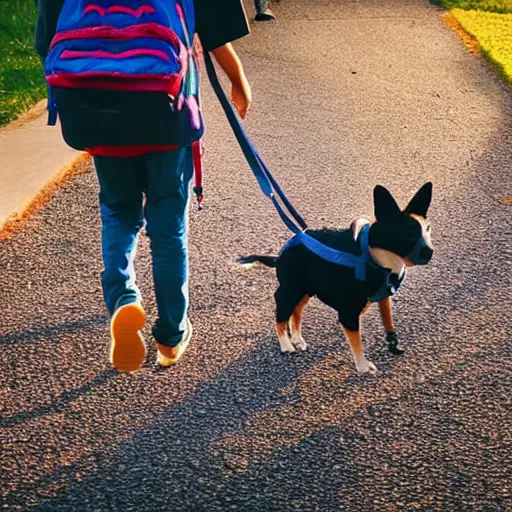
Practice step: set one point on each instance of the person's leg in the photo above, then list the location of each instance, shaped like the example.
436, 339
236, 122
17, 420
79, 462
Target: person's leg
122, 182
263, 12
168, 195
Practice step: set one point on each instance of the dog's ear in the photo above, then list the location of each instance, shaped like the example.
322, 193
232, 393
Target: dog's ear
421, 201
384, 203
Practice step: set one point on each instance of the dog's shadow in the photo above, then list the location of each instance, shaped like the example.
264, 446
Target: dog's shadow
179, 458
178, 441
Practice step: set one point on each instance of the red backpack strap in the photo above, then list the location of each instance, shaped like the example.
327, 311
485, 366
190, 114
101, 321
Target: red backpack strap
197, 152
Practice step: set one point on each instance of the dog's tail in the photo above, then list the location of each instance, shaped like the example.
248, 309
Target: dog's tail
250, 261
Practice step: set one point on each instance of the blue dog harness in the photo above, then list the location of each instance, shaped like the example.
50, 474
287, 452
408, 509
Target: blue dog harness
391, 281
345, 259
293, 219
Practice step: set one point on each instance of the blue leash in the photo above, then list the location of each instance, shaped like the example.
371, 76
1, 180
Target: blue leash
293, 221
269, 186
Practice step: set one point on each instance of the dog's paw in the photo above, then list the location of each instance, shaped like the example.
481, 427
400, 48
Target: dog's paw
396, 350
299, 343
372, 368
302, 345
393, 345
366, 367
286, 347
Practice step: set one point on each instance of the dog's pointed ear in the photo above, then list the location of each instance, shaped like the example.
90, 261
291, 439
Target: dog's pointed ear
420, 203
384, 203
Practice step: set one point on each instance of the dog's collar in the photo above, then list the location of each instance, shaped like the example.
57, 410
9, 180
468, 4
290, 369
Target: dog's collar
391, 280
390, 285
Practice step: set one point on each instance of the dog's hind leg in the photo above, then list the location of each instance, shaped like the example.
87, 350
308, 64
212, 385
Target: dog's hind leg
296, 324
283, 337
387, 320
287, 299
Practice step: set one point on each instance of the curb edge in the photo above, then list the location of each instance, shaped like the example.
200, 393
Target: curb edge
29, 115
468, 40
14, 222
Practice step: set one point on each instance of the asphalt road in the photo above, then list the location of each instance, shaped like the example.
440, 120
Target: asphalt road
346, 95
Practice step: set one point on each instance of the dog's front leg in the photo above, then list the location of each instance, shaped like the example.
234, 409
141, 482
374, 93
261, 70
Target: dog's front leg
354, 340
387, 320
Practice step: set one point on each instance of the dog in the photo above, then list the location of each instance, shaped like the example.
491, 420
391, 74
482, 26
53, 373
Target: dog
396, 240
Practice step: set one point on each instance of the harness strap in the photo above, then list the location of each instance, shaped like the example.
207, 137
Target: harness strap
345, 259
51, 107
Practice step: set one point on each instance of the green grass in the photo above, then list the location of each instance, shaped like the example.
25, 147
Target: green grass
21, 76
499, 6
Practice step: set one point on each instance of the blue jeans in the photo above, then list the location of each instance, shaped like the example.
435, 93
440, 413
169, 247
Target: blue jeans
163, 178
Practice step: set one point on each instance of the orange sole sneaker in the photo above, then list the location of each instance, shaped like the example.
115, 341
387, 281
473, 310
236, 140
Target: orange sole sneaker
179, 349
127, 347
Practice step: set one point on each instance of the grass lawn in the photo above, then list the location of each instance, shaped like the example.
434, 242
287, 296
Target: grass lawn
490, 23
21, 77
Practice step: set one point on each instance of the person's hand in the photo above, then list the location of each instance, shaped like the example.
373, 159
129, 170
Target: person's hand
241, 96
198, 47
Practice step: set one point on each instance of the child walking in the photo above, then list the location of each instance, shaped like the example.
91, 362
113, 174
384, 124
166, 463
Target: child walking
146, 181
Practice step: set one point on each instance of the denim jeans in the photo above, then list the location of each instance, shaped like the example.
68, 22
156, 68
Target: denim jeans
162, 179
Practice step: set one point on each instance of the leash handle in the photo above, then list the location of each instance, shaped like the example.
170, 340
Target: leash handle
266, 181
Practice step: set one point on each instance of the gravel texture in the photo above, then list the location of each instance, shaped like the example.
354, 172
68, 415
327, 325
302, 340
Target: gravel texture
346, 95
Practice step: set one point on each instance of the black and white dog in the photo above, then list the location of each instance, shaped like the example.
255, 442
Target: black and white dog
396, 240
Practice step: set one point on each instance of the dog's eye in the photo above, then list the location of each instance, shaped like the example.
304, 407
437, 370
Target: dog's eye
428, 229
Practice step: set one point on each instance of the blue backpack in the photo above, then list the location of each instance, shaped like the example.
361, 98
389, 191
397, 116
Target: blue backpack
123, 72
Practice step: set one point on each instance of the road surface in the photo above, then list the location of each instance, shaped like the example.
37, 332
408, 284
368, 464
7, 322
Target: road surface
347, 95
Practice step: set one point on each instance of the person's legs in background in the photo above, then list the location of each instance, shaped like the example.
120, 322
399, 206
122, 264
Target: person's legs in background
263, 12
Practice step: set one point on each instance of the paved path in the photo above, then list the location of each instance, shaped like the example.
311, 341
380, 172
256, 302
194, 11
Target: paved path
347, 95
31, 155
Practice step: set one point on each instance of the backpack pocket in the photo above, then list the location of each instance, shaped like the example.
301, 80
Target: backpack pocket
122, 118
118, 62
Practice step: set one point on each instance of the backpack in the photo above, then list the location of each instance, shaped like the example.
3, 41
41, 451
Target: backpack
123, 72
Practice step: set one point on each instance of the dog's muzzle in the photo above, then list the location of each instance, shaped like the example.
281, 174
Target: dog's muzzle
421, 253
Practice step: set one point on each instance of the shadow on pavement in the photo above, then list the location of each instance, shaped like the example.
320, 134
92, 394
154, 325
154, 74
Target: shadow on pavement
422, 445
48, 332
60, 402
